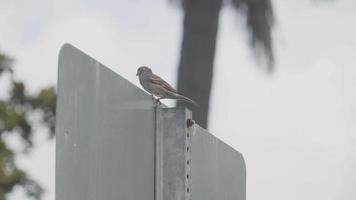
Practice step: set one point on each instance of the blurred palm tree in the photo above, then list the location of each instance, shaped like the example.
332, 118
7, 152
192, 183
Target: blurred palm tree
200, 29
16, 111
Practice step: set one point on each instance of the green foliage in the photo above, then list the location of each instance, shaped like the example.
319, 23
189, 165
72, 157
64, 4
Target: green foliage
15, 118
5, 63
46, 102
11, 176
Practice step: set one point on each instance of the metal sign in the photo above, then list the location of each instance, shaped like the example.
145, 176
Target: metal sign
113, 142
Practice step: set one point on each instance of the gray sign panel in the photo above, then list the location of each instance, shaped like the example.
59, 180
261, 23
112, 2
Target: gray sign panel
105, 140
217, 170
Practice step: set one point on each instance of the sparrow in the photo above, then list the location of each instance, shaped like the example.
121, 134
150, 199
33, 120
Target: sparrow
156, 86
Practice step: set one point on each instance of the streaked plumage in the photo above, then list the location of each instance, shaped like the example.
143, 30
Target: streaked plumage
156, 86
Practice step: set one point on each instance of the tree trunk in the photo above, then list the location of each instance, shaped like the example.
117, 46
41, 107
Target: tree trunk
195, 71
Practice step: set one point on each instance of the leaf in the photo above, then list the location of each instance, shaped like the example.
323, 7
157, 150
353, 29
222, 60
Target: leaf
259, 16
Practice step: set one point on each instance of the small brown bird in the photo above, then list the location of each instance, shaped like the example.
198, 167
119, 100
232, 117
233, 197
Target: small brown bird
156, 86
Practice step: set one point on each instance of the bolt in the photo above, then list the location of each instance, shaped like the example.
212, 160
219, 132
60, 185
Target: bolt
190, 123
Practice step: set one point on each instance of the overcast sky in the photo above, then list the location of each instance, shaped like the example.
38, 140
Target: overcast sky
296, 128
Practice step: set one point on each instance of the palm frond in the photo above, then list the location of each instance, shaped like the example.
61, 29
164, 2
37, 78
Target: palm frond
259, 21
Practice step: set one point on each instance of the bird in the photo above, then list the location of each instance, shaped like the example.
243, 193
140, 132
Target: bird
156, 86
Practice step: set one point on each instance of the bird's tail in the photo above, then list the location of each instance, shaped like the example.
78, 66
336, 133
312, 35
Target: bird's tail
181, 97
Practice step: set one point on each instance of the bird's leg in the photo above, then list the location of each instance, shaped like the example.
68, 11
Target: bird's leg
157, 100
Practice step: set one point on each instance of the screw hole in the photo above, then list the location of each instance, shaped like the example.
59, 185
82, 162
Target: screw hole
187, 148
187, 176
187, 189
187, 162
187, 134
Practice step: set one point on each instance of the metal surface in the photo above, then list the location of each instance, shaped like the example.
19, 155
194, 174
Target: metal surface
105, 140
171, 154
217, 170
114, 143
194, 164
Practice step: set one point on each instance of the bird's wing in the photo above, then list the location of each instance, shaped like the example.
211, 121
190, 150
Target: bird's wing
153, 78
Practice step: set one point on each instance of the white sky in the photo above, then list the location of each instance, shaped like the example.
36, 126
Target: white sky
296, 129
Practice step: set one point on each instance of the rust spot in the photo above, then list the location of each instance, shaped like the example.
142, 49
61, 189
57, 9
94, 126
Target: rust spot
190, 123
